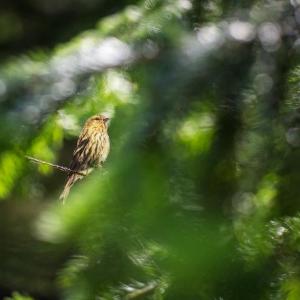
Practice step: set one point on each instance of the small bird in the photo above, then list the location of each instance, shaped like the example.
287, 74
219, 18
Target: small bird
91, 151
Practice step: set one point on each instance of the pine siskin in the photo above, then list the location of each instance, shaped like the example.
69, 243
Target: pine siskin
91, 150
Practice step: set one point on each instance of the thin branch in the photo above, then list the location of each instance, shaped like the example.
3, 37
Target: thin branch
61, 168
142, 292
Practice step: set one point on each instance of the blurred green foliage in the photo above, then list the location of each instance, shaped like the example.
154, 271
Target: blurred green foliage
17, 296
199, 196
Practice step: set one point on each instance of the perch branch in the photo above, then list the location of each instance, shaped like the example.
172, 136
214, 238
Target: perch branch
61, 168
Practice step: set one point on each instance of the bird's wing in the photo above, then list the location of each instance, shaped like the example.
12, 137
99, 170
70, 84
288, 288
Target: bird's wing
79, 159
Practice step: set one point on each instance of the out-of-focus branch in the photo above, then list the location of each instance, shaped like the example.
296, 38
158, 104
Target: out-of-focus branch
137, 294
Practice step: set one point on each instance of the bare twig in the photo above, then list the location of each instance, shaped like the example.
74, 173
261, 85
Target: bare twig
141, 292
61, 168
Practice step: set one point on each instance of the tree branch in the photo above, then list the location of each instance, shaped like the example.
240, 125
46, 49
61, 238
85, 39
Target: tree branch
142, 292
61, 168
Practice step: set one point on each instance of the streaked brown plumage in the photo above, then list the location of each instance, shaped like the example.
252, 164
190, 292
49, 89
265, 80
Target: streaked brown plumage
91, 150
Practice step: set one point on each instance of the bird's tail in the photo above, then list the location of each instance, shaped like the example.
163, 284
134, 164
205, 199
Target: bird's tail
70, 181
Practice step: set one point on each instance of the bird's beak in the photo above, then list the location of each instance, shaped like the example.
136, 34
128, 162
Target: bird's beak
106, 119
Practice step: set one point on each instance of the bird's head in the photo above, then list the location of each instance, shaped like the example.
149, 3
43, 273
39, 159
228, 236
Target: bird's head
98, 120
101, 118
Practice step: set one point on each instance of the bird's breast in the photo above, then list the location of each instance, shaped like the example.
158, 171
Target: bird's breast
103, 147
